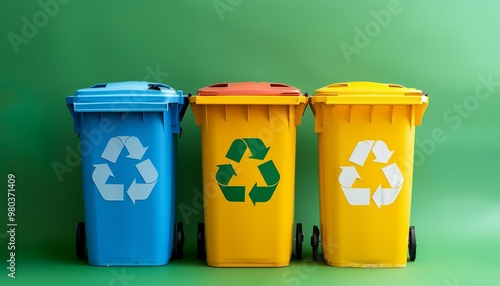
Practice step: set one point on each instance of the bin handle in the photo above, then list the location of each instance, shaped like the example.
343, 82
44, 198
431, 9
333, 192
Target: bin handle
309, 102
184, 106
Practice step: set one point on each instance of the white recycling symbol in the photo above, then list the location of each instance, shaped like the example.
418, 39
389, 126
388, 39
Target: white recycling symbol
115, 192
349, 174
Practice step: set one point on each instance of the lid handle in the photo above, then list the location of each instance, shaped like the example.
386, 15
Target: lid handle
395, 86
219, 85
157, 86
99, 85
278, 85
339, 85
154, 87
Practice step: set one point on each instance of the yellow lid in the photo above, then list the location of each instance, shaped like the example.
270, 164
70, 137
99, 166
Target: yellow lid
370, 93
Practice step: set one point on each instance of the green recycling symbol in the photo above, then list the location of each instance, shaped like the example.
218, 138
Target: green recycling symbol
258, 194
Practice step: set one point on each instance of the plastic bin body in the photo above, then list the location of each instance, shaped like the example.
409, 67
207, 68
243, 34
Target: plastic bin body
248, 137
366, 135
128, 137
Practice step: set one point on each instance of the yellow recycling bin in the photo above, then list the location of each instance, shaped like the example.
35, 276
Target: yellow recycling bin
366, 134
248, 137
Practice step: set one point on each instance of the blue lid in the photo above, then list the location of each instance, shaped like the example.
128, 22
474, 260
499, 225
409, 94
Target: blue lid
124, 96
127, 87
127, 96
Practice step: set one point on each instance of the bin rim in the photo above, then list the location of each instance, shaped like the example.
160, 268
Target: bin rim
370, 100
248, 100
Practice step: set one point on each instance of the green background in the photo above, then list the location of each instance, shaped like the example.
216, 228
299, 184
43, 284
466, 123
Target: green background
446, 48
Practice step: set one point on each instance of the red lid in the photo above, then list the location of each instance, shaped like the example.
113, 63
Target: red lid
249, 88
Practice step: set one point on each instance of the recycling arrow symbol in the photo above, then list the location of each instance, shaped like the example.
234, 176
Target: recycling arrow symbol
136, 191
258, 150
349, 174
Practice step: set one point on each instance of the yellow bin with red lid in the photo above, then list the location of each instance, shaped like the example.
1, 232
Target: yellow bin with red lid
366, 135
248, 137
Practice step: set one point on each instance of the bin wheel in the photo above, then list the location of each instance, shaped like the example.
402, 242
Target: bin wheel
299, 238
180, 240
412, 244
200, 242
81, 241
315, 242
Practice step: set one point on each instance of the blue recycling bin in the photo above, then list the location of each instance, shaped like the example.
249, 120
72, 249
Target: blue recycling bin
128, 139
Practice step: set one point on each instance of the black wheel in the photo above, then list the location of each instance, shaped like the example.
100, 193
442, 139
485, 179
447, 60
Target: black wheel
412, 244
315, 242
299, 238
81, 241
179, 240
200, 242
